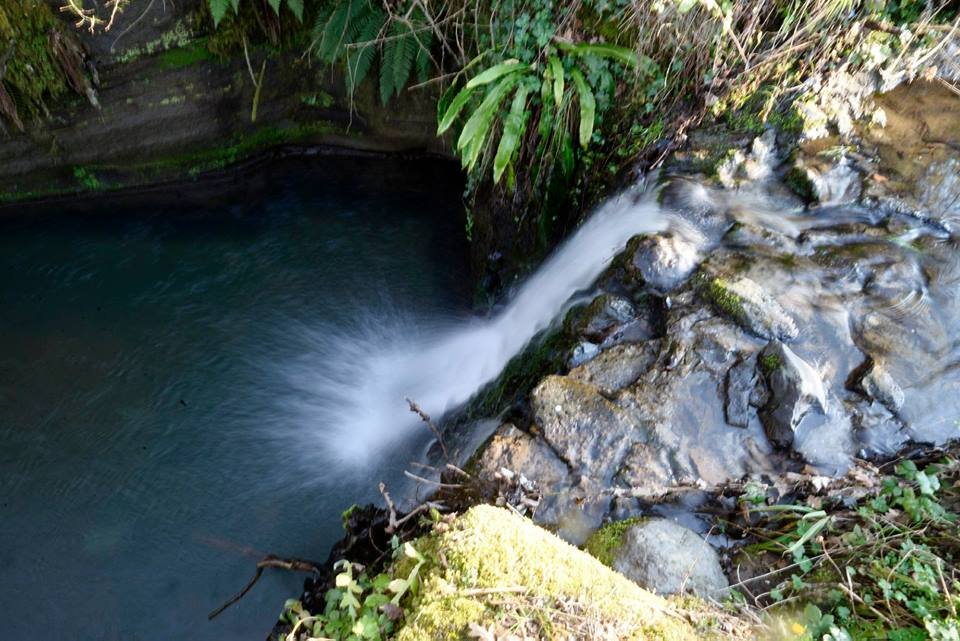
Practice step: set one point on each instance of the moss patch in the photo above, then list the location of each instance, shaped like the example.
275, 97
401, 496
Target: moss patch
604, 543
769, 363
724, 299
499, 569
186, 56
799, 183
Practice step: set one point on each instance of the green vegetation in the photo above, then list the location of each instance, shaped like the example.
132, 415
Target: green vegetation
718, 292
359, 607
769, 363
87, 179
604, 543
31, 75
887, 568
186, 56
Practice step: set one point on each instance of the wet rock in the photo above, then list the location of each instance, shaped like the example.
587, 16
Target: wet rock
617, 367
664, 261
589, 432
748, 235
748, 304
601, 316
739, 386
512, 449
667, 558
794, 389
758, 164
873, 381
828, 182
583, 353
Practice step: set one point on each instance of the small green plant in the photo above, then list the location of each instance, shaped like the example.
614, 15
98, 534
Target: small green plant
358, 608
87, 179
887, 569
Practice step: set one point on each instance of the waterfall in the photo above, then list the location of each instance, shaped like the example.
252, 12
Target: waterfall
361, 389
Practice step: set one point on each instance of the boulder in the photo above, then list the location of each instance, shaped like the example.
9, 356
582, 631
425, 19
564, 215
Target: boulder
666, 260
873, 381
667, 558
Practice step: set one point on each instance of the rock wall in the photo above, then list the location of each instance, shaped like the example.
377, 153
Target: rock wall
169, 109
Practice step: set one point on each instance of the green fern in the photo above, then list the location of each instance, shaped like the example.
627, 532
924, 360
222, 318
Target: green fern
219, 8
353, 30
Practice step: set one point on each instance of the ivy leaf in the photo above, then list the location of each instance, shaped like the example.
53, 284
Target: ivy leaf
928, 484
588, 107
626, 57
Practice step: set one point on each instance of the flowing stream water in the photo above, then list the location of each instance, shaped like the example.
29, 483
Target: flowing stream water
193, 378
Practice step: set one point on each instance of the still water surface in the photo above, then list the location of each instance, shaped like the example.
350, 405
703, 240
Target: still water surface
156, 431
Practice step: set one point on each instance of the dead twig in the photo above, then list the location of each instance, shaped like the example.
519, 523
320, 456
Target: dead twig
269, 561
397, 522
433, 428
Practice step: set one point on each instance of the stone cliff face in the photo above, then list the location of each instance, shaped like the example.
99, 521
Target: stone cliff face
170, 109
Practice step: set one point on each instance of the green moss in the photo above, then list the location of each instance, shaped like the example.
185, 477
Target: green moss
319, 99
87, 179
498, 566
769, 363
726, 301
604, 543
181, 36
33, 77
799, 183
542, 356
186, 56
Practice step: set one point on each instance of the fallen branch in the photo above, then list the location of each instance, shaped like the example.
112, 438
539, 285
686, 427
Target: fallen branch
394, 521
433, 428
269, 561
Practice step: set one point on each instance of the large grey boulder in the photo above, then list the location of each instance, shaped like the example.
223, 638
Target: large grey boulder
667, 558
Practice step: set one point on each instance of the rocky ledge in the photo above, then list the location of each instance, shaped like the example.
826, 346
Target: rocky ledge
774, 328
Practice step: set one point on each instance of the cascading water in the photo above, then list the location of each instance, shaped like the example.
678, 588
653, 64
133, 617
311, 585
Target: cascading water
360, 388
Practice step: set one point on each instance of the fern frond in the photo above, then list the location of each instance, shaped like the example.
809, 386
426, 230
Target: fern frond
388, 53
403, 59
423, 56
513, 128
360, 58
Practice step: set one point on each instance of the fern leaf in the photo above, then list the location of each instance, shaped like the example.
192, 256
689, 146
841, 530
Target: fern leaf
336, 31
423, 57
386, 70
513, 128
360, 59
478, 125
275, 5
456, 106
296, 6
588, 107
403, 59
219, 9
236, 5
495, 73
556, 70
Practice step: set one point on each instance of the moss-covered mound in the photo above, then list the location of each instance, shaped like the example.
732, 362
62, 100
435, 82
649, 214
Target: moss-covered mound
499, 571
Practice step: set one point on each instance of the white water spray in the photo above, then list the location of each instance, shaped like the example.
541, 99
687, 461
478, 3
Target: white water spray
359, 393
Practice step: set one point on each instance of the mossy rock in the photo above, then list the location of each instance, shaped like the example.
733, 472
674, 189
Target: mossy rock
498, 568
604, 543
